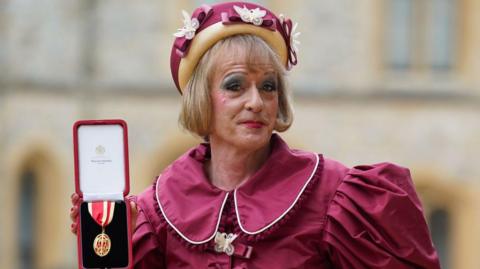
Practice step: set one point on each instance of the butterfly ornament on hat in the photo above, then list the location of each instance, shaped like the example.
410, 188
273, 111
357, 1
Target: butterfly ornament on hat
208, 25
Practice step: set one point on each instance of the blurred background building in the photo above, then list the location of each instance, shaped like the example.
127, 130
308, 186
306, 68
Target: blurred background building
377, 80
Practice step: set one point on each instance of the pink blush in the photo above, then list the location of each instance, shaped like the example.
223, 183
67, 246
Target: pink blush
223, 98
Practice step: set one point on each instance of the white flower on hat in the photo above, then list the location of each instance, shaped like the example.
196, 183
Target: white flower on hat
254, 16
294, 42
189, 26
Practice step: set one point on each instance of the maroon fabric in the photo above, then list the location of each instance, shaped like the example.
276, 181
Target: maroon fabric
376, 210
187, 198
364, 217
283, 176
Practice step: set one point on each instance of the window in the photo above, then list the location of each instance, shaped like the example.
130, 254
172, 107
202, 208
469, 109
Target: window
26, 234
399, 35
441, 36
440, 228
421, 34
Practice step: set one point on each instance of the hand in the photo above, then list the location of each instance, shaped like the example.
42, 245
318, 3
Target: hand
74, 212
75, 209
133, 215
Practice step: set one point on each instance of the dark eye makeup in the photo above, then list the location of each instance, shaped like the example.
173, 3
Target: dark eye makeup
236, 81
269, 85
233, 82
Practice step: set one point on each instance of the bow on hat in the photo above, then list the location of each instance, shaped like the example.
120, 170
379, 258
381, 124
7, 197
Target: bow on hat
290, 32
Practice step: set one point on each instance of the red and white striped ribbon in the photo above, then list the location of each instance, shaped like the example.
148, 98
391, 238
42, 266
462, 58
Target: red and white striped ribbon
102, 212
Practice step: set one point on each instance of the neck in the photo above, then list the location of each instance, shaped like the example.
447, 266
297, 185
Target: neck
230, 166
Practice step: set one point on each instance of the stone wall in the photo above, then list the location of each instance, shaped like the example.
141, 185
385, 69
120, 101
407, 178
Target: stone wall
61, 61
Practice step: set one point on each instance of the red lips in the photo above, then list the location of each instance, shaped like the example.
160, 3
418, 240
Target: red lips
253, 124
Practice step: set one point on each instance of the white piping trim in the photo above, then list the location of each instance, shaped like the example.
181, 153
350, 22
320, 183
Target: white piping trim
178, 231
284, 213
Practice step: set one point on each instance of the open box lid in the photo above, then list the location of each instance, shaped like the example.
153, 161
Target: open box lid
101, 159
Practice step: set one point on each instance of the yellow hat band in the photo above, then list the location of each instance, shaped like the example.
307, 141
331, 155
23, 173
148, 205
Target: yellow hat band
206, 38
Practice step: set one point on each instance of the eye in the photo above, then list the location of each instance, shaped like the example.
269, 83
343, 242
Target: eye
233, 83
232, 86
269, 86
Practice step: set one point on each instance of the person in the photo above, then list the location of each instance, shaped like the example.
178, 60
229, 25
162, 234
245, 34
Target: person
244, 198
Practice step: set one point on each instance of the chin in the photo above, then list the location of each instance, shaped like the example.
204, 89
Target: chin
256, 141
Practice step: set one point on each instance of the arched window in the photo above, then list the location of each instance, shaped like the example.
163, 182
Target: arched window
439, 221
26, 234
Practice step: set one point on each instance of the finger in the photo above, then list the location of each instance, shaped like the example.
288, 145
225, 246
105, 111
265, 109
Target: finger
73, 228
74, 213
74, 197
134, 214
133, 206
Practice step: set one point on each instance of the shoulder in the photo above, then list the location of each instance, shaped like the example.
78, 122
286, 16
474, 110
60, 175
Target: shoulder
382, 171
333, 171
329, 175
148, 239
384, 175
362, 186
375, 190
146, 198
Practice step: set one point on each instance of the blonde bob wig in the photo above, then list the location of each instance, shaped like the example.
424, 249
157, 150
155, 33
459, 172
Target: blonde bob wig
196, 110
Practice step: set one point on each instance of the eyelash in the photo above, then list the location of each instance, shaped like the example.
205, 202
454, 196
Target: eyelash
236, 86
269, 86
233, 86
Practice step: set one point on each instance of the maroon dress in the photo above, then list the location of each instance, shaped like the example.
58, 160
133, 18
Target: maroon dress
300, 210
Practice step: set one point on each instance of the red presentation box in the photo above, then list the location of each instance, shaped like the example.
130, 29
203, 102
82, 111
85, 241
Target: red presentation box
102, 182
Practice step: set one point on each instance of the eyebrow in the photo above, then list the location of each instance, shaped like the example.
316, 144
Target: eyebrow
270, 73
233, 74
267, 67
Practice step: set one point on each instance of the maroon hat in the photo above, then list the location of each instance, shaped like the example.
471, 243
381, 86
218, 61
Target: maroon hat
209, 24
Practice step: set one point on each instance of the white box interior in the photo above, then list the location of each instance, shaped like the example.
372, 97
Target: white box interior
101, 162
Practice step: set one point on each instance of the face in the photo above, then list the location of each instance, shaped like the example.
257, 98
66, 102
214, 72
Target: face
245, 104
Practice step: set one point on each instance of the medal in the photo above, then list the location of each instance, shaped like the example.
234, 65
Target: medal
102, 213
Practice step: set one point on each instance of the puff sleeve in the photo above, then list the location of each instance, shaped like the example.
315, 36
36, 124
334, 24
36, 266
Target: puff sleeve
147, 250
375, 220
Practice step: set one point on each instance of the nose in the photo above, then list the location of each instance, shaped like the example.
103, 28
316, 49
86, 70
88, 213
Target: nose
254, 100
